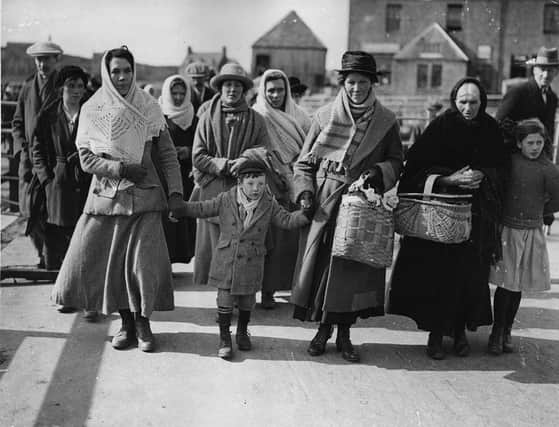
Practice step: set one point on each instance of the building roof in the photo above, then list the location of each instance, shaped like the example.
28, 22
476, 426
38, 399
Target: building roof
432, 43
290, 32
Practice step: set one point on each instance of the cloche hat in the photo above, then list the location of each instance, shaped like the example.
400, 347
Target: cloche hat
197, 69
231, 71
356, 61
44, 49
545, 58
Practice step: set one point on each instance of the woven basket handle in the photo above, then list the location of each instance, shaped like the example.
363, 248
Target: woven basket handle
429, 184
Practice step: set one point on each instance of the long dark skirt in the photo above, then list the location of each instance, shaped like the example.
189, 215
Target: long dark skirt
280, 260
332, 276
180, 237
440, 286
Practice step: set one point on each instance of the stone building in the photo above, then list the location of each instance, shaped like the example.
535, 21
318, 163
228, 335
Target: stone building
214, 60
292, 47
497, 37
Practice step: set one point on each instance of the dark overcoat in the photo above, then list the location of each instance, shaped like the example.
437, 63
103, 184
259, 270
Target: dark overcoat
238, 259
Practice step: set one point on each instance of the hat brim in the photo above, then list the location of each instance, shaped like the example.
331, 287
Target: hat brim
44, 53
533, 63
373, 74
216, 81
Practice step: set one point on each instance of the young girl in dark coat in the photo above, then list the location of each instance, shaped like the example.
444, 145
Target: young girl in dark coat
244, 214
531, 192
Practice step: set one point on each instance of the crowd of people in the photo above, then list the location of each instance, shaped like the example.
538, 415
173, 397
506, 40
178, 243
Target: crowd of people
120, 186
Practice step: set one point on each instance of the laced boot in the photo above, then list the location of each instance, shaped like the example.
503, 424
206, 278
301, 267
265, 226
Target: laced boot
225, 350
512, 309
126, 336
500, 304
495, 343
343, 344
461, 344
435, 346
243, 337
318, 343
268, 301
146, 341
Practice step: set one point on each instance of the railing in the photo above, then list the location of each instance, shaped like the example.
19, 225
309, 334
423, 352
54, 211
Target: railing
10, 160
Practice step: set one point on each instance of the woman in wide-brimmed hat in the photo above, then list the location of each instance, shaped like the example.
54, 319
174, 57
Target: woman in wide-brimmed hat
353, 137
228, 133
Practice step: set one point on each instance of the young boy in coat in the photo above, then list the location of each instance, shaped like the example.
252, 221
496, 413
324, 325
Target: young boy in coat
244, 213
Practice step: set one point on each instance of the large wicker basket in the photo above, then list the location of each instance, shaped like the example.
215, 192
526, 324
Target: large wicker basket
364, 232
438, 217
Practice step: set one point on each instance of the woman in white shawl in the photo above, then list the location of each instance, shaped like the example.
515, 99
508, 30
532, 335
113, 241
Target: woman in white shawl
287, 125
118, 259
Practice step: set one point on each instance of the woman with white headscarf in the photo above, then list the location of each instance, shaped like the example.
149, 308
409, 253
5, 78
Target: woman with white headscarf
287, 126
181, 121
118, 258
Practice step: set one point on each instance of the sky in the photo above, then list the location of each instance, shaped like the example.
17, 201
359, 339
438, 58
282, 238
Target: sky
158, 32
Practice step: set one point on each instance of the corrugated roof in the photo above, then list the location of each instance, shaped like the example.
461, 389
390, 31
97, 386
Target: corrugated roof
432, 43
291, 31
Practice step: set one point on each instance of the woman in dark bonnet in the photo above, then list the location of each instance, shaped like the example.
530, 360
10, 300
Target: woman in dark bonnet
444, 287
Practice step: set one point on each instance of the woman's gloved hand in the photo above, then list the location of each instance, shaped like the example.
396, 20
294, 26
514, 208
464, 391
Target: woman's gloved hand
133, 172
176, 207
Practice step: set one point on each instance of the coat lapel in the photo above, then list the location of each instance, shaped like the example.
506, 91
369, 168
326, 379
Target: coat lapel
381, 121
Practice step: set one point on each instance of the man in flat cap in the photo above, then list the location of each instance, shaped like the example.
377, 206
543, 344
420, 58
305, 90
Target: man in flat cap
38, 91
534, 98
199, 74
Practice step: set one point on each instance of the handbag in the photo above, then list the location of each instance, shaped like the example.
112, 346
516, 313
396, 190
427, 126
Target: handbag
444, 218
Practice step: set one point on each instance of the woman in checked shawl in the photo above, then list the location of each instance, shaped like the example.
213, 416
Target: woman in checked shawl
118, 258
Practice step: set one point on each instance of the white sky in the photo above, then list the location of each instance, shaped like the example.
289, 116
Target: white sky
159, 31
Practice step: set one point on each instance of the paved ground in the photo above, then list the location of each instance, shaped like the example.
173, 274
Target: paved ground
57, 370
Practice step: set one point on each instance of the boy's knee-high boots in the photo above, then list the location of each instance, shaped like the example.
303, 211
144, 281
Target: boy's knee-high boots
225, 350
242, 337
500, 304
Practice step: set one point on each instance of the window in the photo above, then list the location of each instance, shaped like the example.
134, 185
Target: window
551, 19
422, 76
436, 75
429, 76
454, 17
393, 15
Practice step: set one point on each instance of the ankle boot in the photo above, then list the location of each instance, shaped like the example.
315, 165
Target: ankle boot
435, 346
146, 341
495, 343
126, 336
500, 305
268, 301
343, 344
318, 343
461, 344
242, 337
225, 350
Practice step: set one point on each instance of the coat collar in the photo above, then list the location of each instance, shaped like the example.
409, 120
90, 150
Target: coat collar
261, 208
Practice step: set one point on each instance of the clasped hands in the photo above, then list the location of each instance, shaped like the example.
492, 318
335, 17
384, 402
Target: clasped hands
466, 178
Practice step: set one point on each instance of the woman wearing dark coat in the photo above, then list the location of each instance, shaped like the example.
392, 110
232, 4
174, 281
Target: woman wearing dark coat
444, 287
181, 123
352, 137
57, 166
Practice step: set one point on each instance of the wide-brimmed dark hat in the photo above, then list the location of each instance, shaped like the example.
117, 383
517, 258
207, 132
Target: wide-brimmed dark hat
71, 72
545, 58
252, 166
357, 61
231, 71
296, 85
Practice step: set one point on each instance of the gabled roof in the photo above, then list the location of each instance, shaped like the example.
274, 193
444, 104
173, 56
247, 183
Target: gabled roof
432, 43
291, 31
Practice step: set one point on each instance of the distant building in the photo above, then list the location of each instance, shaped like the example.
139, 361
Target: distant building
214, 60
292, 47
496, 37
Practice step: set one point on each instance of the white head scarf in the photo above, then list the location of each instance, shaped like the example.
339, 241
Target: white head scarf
184, 113
286, 129
116, 125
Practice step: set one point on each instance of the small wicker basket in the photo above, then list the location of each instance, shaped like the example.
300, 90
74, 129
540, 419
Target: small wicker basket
364, 232
437, 217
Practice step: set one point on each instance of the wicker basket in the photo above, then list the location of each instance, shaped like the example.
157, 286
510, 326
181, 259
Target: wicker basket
364, 233
438, 217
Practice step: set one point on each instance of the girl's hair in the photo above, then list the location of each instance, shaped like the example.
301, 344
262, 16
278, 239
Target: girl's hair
530, 126
342, 75
120, 52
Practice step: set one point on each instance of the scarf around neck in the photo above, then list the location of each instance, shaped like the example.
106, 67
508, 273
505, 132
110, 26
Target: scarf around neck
286, 129
334, 140
247, 206
183, 114
119, 126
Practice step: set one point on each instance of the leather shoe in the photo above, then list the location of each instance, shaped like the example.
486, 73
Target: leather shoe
318, 343
91, 316
507, 341
435, 346
146, 340
243, 341
461, 345
225, 350
268, 302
